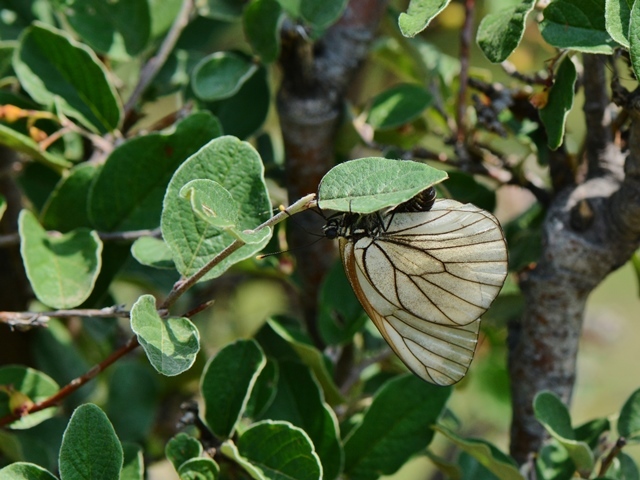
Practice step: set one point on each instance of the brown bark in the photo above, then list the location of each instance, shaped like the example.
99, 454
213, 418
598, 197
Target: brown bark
310, 101
590, 230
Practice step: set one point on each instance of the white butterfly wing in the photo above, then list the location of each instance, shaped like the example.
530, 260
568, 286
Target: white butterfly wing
426, 281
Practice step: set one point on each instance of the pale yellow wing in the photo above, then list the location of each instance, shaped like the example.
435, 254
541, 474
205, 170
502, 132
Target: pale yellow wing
426, 281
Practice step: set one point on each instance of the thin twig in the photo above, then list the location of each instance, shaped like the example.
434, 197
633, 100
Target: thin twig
182, 286
32, 319
154, 64
73, 385
13, 239
617, 448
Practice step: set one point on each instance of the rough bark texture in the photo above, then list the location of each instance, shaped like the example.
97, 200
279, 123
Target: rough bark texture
590, 230
310, 101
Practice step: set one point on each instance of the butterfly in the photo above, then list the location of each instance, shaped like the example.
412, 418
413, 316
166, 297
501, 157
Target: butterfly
425, 271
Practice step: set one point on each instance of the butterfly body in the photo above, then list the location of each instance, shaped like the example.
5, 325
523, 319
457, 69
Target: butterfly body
425, 277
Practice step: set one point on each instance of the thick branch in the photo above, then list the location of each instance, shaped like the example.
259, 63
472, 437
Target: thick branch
590, 230
310, 101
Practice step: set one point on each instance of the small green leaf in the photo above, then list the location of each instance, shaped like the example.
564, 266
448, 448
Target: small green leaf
398, 105
24, 144
617, 20
500, 33
370, 184
34, 386
221, 75
171, 345
561, 95
397, 425
634, 38
341, 314
226, 385
133, 462
199, 469
152, 252
54, 68
119, 29
25, 471
321, 14
181, 448
419, 15
629, 421
262, 20
244, 113
624, 468
237, 167
554, 416
577, 25
553, 462
127, 195
211, 202
299, 400
66, 207
63, 269
224, 10
502, 466
276, 450
90, 447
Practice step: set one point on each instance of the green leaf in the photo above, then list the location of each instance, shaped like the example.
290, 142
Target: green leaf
634, 38
370, 184
132, 403
561, 94
419, 15
118, 29
397, 425
262, 20
500, 33
624, 468
276, 450
237, 167
502, 466
20, 384
299, 400
62, 269
555, 418
152, 252
245, 112
54, 68
225, 10
629, 420
264, 391
90, 447
181, 448
128, 192
66, 207
554, 463
133, 462
171, 345
24, 144
25, 471
312, 357
617, 20
221, 75
199, 469
226, 385
3, 206
577, 25
340, 315
320, 14
635, 262
398, 105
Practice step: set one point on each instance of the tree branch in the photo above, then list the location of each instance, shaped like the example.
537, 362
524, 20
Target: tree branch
590, 230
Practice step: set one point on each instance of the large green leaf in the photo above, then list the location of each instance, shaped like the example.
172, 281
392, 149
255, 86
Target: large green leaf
366, 185
237, 167
55, 69
618, 19
62, 269
500, 33
397, 425
90, 447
